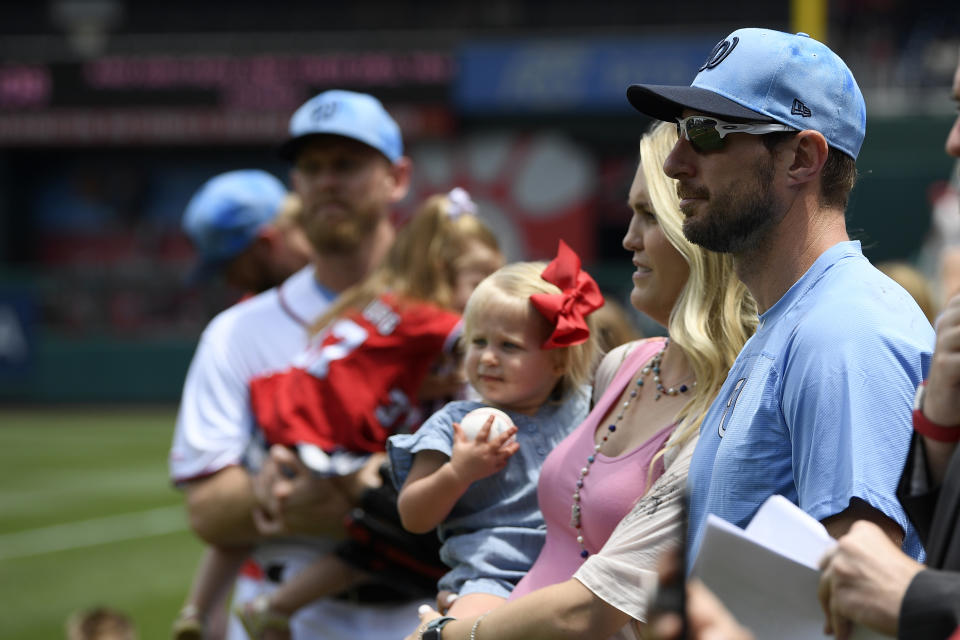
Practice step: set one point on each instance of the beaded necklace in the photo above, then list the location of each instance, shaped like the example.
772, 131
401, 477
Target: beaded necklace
652, 366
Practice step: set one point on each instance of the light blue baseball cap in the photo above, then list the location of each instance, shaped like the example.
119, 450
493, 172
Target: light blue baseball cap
763, 75
225, 215
358, 116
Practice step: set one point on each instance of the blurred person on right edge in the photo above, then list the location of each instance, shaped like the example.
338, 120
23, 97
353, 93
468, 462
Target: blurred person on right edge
866, 580
816, 406
246, 229
611, 493
348, 168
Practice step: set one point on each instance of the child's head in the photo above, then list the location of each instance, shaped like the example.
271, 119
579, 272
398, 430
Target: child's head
504, 333
100, 623
443, 252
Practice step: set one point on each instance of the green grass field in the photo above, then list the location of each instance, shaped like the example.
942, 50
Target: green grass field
89, 518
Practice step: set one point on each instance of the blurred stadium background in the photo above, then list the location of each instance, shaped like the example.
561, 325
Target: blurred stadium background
112, 112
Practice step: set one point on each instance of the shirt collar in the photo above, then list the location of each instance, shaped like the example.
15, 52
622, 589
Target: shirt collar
839, 251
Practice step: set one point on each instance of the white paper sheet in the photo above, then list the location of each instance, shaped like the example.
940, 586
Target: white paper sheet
767, 574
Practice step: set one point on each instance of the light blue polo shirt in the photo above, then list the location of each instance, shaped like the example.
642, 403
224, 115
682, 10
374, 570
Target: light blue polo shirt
817, 406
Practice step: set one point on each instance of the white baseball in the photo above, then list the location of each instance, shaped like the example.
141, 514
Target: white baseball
474, 421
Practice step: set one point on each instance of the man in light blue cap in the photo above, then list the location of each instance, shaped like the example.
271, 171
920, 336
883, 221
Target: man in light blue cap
348, 166
817, 405
348, 170
245, 227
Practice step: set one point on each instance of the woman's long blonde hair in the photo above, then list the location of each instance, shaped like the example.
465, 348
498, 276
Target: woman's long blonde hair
715, 314
424, 260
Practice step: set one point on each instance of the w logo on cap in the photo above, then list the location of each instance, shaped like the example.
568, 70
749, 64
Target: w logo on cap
325, 110
800, 109
720, 53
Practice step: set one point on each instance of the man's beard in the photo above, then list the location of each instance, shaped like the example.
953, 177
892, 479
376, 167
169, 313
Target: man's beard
738, 219
340, 235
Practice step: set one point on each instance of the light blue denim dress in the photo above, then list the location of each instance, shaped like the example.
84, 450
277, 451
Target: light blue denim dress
494, 533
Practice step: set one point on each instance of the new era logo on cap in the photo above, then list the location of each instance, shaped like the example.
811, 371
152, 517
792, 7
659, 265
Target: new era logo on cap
800, 109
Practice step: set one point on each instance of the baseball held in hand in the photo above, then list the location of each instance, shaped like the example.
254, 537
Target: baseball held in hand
474, 421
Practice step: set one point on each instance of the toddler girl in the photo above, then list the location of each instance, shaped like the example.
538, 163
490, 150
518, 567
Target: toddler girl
529, 352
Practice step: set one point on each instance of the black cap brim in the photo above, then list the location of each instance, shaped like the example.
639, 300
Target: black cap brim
289, 149
665, 102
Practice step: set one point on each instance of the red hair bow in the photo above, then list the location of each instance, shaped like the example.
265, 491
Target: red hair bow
567, 311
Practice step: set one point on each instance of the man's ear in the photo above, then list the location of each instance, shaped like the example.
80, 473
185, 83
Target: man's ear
401, 171
296, 180
265, 241
809, 155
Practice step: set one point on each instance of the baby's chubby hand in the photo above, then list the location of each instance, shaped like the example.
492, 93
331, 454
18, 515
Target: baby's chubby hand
484, 455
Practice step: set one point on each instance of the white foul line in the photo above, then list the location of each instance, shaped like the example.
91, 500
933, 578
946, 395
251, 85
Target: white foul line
90, 533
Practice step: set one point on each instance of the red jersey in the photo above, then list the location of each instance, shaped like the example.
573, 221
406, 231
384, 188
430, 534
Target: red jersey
358, 380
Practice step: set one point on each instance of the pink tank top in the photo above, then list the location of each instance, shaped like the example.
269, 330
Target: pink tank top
609, 492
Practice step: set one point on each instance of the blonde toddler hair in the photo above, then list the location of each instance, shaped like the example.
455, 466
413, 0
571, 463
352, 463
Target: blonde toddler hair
508, 291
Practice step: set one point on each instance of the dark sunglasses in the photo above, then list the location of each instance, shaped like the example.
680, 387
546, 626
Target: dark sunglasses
707, 134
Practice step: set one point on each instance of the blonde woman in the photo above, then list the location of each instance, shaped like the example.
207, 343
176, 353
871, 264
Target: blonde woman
594, 575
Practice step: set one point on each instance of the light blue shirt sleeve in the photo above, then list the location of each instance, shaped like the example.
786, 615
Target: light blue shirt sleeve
847, 407
847, 394
436, 434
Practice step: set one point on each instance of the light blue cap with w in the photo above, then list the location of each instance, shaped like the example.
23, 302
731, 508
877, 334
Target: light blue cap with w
227, 212
358, 116
763, 75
